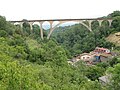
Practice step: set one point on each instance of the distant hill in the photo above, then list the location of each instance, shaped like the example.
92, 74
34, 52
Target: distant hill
114, 38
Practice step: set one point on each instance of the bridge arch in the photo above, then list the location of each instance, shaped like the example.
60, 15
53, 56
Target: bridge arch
95, 24
16, 23
36, 23
46, 25
106, 23
77, 21
27, 27
36, 27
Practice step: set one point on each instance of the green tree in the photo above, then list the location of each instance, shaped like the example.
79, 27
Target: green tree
115, 77
3, 33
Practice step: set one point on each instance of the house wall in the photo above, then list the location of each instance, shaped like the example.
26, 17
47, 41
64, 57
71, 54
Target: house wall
85, 57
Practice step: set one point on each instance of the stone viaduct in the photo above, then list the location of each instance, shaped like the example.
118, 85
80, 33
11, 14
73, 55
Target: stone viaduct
61, 21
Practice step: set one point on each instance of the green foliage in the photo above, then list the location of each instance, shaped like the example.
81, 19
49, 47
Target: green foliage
26, 28
48, 68
115, 77
15, 76
2, 23
114, 14
16, 51
116, 24
3, 33
36, 30
104, 65
94, 72
91, 85
114, 61
6, 26
47, 52
18, 30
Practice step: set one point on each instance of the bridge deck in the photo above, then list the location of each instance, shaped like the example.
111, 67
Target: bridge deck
63, 20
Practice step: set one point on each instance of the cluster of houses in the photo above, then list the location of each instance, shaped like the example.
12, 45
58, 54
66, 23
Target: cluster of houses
97, 55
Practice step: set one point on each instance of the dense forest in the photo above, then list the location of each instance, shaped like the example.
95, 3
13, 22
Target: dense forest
29, 63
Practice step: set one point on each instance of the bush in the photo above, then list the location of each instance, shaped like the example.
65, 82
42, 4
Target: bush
3, 33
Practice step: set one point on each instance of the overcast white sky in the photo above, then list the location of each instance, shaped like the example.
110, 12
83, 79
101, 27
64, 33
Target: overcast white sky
56, 9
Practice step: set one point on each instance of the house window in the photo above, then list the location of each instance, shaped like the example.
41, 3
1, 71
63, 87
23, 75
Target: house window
88, 57
83, 57
104, 50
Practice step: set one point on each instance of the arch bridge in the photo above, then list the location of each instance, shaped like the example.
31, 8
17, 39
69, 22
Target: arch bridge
61, 21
